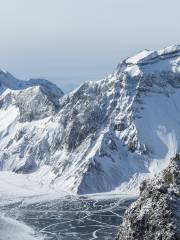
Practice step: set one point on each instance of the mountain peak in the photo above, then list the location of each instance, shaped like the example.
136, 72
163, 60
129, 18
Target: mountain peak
146, 62
147, 56
7, 80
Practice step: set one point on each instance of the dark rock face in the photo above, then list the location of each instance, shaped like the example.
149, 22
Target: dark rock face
156, 214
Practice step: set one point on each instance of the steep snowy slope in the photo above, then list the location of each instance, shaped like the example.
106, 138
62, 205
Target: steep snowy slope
103, 136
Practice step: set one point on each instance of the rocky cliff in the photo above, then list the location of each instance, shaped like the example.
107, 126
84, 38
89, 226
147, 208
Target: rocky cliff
156, 214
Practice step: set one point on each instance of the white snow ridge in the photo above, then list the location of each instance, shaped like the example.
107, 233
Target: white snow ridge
105, 136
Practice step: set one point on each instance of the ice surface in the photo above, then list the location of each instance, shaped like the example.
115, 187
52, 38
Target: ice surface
70, 217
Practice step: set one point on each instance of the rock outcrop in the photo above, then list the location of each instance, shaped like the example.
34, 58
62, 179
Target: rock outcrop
156, 214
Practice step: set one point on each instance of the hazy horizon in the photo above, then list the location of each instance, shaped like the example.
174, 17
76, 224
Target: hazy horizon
69, 42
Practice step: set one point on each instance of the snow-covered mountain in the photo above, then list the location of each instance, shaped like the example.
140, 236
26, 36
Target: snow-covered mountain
106, 135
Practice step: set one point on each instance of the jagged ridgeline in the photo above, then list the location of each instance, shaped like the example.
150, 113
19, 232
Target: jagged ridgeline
156, 214
105, 135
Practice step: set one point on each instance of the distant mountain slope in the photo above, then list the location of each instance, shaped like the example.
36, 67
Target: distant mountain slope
103, 136
7, 80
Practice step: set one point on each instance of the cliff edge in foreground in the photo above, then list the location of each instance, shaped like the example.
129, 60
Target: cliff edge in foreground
156, 214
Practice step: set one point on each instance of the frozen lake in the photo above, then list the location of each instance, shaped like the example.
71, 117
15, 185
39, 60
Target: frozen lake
83, 218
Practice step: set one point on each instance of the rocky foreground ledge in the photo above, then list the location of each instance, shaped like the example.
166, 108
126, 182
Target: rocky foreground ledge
156, 213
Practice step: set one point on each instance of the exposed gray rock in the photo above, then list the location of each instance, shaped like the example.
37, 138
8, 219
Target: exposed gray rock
35, 98
156, 214
34, 104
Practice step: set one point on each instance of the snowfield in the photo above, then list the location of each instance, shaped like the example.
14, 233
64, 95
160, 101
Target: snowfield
11, 229
21, 185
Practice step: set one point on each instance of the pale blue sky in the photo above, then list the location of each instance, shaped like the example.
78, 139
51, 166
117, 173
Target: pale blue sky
71, 41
